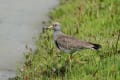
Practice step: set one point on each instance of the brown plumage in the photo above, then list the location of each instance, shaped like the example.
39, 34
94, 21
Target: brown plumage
70, 44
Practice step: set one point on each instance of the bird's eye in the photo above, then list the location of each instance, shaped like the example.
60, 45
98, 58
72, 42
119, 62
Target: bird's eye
55, 25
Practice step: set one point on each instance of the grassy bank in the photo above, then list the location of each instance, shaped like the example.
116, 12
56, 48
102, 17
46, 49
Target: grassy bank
90, 20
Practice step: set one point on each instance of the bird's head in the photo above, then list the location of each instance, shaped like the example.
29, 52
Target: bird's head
55, 26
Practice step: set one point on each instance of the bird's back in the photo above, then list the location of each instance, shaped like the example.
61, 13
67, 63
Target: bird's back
65, 42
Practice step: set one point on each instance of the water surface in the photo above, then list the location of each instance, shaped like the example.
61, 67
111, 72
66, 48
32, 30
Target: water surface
20, 21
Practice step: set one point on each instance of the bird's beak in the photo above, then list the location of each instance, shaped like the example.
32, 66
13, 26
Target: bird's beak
50, 27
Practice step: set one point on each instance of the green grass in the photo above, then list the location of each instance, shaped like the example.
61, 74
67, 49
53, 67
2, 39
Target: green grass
96, 21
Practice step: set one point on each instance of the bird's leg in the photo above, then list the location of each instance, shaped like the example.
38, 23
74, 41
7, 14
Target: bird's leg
69, 60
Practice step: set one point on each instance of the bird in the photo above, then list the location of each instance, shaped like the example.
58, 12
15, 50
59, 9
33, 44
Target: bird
70, 44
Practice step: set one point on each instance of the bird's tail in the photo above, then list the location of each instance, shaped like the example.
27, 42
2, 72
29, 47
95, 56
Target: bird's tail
96, 46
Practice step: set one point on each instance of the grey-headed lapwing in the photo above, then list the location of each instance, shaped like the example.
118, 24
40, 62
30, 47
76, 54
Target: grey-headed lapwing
70, 44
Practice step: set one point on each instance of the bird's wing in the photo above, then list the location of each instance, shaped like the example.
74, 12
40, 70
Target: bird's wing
69, 42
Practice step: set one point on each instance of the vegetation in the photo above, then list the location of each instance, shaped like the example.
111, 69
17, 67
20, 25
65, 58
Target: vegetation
90, 20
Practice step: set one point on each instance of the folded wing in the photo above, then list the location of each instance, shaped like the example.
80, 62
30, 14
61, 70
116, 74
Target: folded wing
71, 43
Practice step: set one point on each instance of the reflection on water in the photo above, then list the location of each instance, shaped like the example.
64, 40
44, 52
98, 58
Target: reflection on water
19, 22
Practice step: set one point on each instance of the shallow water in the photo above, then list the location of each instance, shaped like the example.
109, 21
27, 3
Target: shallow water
20, 21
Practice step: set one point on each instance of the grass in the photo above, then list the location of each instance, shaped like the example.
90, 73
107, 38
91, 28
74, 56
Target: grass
96, 21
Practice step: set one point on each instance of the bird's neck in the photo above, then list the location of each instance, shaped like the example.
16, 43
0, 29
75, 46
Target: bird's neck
56, 34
